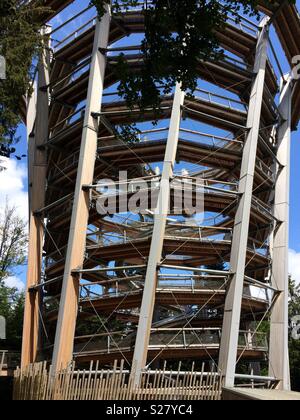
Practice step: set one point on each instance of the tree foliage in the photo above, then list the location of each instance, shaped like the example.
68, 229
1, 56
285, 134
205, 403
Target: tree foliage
178, 34
20, 41
13, 242
294, 345
12, 308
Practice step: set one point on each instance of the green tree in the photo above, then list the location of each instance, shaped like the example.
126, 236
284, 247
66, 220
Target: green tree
294, 345
20, 41
12, 308
178, 34
13, 241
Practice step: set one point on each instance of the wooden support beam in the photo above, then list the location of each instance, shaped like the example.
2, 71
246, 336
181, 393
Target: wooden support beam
279, 352
63, 346
232, 311
37, 167
148, 301
30, 126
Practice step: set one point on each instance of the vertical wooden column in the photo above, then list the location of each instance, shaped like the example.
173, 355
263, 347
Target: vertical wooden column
279, 351
148, 300
30, 124
232, 311
65, 330
37, 172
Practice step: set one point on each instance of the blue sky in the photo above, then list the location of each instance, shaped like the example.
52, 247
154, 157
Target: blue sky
13, 182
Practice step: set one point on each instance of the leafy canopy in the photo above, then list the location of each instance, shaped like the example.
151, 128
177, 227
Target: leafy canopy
20, 41
13, 244
12, 308
294, 345
178, 34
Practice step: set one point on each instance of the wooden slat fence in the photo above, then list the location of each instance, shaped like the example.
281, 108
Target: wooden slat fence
37, 382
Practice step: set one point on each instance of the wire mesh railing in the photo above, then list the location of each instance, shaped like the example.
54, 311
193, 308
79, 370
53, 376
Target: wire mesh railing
214, 98
64, 33
170, 284
72, 36
62, 83
64, 124
167, 338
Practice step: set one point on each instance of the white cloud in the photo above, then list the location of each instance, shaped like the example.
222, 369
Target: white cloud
15, 282
12, 186
294, 265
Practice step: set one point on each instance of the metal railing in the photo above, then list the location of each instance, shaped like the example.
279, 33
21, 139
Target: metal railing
243, 25
214, 98
265, 169
134, 285
262, 207
75, 117
199, 137
236, 20
146, 184
131, 286
78, 71
168, 338
242, 65
210, 139
208, 185
73, 35
123, 238
64, 165
253, 341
